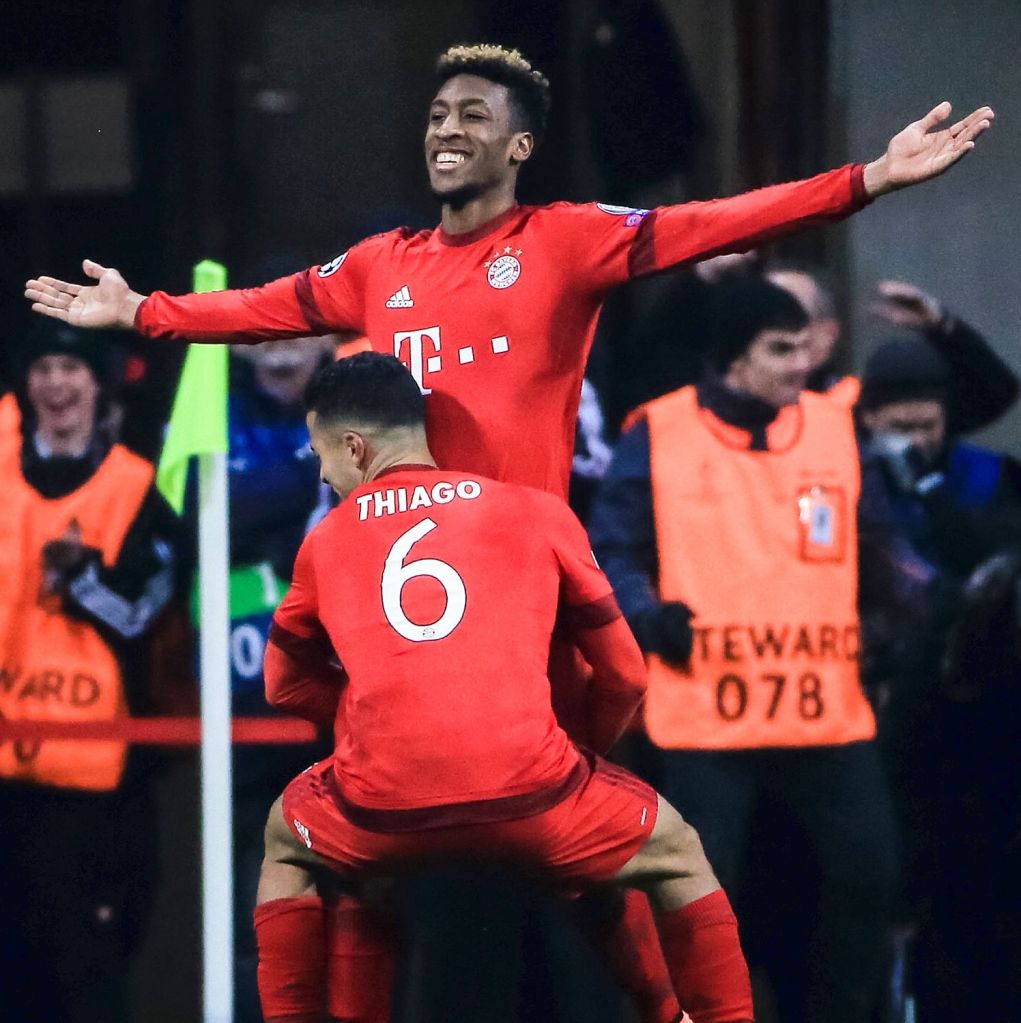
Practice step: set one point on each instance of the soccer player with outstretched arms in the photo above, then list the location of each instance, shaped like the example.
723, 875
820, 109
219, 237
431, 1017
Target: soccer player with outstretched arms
494, 310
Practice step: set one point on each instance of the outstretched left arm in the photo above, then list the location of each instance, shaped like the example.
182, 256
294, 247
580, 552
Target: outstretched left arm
919, 152
633, 243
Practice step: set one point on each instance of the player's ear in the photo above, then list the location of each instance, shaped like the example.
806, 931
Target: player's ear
355, 448
522, 145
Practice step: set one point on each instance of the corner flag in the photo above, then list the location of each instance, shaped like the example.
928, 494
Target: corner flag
198, 422
198, 426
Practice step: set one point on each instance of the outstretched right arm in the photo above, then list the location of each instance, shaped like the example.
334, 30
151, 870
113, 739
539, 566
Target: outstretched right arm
108, 303
297, 306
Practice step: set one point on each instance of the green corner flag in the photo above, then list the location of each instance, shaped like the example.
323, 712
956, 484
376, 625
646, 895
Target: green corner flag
198, 422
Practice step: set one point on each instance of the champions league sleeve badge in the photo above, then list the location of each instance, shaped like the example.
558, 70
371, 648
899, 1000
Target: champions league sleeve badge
632, 216
329, 269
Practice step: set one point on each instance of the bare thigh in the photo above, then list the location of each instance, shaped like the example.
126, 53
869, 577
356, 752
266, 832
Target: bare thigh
671, 867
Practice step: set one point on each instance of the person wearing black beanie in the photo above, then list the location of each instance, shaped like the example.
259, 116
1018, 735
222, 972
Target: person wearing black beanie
954, 511
904, 392
88, 551
52, 337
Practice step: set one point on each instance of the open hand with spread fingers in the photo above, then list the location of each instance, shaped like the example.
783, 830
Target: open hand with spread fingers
920, 151
108, 303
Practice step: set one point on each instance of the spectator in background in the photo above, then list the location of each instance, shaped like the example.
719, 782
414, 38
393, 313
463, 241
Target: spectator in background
957, 517
951, 504
952, 500
87, 547
726, 524
814, 293
658, 330
273, 480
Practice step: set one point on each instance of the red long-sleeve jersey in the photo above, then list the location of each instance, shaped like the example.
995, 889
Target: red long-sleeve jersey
496, 324
439, 592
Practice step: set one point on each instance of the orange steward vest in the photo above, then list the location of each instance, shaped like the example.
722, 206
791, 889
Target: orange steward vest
52, 667
845, 392
762, 545
10, 425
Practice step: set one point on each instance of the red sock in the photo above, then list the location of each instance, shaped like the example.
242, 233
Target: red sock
362, 944
621, 926
703, 954
292, 960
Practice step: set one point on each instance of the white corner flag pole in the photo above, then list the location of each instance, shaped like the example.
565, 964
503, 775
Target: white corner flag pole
217, 816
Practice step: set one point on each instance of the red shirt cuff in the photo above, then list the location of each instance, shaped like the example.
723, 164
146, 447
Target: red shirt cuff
859, 196
138, 324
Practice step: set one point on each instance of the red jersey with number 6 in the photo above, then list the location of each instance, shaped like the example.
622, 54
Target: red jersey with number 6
439, 592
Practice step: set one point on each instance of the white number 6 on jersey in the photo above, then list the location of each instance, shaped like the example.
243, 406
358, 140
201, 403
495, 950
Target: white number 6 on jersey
396, 574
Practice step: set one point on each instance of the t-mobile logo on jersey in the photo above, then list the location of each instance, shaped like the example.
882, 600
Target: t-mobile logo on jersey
424, 355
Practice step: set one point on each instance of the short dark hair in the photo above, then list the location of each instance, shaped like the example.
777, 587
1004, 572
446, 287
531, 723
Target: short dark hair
528, 88
366, 388
743, 307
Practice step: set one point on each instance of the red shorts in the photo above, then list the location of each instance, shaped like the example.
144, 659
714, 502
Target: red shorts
584, 839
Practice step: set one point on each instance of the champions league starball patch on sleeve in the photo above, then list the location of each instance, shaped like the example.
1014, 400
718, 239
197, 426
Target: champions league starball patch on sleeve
329, 269
632, 216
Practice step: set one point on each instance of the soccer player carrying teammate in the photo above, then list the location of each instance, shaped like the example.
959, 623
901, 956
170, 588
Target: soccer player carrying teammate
494, 310
448, 745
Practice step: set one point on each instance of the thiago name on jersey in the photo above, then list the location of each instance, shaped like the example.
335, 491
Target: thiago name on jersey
404, 499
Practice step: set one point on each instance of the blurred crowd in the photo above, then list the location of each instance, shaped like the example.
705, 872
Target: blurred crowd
869, 832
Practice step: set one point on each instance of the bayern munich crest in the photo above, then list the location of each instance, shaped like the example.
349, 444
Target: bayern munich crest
503, 272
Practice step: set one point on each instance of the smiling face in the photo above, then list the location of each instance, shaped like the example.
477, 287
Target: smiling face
63, 394
472, 142
775, 366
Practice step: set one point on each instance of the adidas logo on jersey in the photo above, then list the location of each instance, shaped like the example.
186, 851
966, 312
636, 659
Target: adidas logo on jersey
400, 299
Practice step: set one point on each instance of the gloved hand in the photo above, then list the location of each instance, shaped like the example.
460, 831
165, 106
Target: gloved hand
666, 631
64, 558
